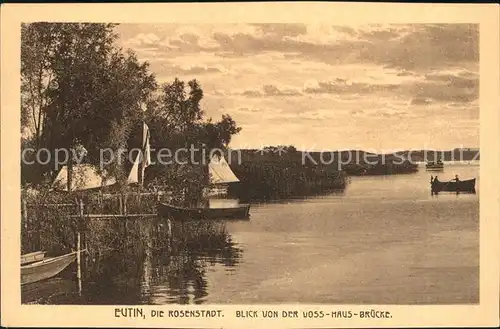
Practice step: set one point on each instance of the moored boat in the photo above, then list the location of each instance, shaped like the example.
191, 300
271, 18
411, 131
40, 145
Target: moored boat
32, 257
241, 211
454, 186
46, 268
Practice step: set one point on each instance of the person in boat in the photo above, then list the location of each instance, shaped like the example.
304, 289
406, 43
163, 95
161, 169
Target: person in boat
456, 179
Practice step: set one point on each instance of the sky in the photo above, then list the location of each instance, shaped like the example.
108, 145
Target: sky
322, 87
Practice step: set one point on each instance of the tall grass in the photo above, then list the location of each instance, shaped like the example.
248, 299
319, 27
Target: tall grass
52, 229
48, 224
269, 180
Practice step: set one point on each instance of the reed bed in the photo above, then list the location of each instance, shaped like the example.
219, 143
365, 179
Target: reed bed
270, 180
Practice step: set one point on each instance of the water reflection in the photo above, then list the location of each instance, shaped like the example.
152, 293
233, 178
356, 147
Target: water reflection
152, 265
180, 276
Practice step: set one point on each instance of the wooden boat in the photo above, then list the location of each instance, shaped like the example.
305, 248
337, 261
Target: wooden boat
434, 165
180, 213
46, 268
454, 186
32, 257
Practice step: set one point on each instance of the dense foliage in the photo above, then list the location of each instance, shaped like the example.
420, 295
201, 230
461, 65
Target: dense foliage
78, 89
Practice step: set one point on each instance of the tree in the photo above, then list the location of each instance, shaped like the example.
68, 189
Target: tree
176, 121
95, 93
226, 128
175, 113
37, 45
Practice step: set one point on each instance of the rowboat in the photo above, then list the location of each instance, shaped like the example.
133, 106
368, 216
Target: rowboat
32, 257
434, 165
454, 186
180, 213
46, 268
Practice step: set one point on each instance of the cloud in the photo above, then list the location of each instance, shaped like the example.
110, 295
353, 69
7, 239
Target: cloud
248, 110
346, 29
194, 70
420, 101
320, 114
281, 30
342, 86
168, 68
456, 87
143, 40
407, 47
426, 46
461, 80
252, 93
392, 113
271, 91
405, 73
380, 34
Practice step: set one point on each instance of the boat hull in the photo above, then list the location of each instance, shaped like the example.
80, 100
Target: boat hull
180, 213
434, 167
32, 257
46, 268
461, 186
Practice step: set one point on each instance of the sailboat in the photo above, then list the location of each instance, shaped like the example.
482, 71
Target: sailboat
87, 177
84, 177
221, 176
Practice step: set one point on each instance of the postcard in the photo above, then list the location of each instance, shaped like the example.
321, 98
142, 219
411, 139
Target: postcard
240, 165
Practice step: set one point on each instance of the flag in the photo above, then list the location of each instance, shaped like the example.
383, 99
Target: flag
146, 150
146, 147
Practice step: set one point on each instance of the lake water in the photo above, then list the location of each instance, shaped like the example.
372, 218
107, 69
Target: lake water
384, 240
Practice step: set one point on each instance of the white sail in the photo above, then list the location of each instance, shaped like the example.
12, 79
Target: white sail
133, 176
220, 172
85, 177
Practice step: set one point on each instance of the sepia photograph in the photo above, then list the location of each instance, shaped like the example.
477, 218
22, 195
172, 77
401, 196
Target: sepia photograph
250, 163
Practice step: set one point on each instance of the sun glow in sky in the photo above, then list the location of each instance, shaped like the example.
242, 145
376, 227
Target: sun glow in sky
320, 87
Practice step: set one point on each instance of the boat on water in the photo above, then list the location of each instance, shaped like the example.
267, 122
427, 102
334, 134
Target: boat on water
32, 257
241, 211
221, 176
454, 186
45, 268
431, 165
